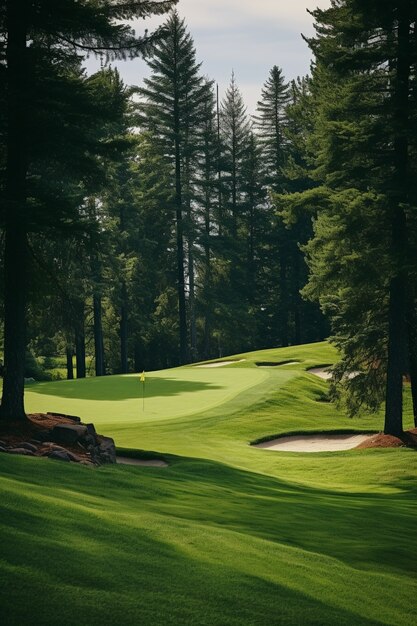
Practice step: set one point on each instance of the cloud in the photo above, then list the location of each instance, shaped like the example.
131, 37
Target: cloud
212, 13
246, 36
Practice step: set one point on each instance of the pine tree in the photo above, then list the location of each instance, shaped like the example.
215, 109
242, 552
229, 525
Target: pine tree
234, 131
33, 33
271, 122
172, 104
207, 199
304, 319
365, 136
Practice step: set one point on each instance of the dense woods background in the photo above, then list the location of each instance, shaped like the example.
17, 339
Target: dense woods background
159, 224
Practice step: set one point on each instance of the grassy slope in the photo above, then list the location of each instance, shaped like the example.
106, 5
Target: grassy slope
228, 534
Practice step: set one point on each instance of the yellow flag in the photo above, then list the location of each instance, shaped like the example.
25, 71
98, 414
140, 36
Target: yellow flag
142, 377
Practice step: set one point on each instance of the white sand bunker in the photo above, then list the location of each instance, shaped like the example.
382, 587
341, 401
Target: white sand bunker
126, 460
219, 363
273, 364
314, 443
321, 372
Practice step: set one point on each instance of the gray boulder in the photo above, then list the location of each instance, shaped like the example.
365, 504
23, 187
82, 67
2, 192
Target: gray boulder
27, 446
21, 451
107, 449
59, 455
68, 433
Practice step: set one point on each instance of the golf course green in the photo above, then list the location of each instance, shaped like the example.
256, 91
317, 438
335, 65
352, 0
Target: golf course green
227, 534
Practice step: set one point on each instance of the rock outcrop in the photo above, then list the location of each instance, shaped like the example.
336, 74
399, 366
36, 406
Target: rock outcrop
60, 437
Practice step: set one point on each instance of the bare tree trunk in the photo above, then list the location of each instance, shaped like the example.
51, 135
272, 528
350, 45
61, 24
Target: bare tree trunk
183, 356
283, 289
98, 336
297, 302
123, 329
16, 254
80, 342
397, 298
412, 350
207, 278
70, 368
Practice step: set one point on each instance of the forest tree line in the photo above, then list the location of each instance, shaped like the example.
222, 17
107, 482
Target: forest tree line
159, 224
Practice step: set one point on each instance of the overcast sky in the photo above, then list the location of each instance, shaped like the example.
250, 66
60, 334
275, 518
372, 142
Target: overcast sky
246, 36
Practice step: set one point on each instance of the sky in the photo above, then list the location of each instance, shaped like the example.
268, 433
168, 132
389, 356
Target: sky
244, 36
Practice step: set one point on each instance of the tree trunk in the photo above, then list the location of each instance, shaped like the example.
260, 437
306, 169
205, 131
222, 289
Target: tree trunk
397, 298
412, 351
124, 365
284, 331
207, 274
70, 368
191, 304
138, 358
15, 255
183, 356
219, 166
396, 360
297, 302
98, 336
80, 342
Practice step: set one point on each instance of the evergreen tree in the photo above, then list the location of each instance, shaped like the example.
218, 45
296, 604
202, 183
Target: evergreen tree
303, 318
232, 319
207, 199
364, 137
172, 104
33, 33
270, 122
234, 132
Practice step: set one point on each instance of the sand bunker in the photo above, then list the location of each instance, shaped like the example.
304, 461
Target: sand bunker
219, 363
315, 443
125, 460
274, 364
321, 372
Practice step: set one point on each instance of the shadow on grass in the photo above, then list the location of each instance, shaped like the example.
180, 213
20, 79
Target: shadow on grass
337, 524
120, 388
129, 575
137, 555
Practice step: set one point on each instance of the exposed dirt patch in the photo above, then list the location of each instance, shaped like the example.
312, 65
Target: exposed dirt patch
32, 428
408, 439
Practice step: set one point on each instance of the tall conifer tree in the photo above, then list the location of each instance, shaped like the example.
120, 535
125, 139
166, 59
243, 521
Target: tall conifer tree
34, 32
364, 138
172, 103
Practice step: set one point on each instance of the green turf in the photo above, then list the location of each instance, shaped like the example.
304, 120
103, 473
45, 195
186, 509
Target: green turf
228, 534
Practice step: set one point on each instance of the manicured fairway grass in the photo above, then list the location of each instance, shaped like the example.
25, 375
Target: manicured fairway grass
228, 534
